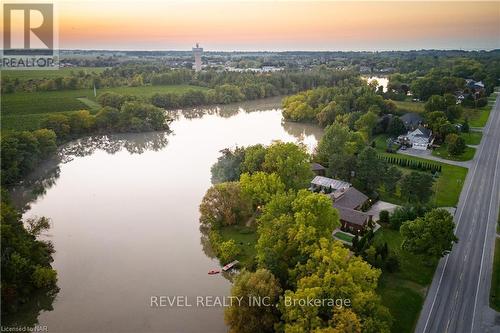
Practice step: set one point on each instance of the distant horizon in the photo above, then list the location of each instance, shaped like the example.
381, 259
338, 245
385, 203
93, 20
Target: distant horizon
276, 26
281, 51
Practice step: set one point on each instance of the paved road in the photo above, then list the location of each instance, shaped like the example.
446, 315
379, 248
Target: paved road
457, 300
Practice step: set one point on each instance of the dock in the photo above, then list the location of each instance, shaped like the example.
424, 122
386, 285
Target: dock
230, 265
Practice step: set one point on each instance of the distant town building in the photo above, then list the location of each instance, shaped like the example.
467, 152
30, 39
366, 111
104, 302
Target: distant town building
197, 52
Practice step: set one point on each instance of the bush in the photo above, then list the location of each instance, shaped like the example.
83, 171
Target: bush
384, 216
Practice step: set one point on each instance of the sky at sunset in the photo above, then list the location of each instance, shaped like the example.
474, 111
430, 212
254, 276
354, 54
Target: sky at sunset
278, 25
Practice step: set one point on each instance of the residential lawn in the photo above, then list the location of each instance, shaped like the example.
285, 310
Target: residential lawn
403, 292
22, 110
381, 143
446, 189
442, 152
49, 73
477, 117
343, 236
245, 238
409, 106
495, 279
472, 138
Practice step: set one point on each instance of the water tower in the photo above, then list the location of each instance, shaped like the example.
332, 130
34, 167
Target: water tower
197, 51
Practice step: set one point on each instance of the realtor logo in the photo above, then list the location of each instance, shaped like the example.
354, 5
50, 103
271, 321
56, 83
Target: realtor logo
29, 36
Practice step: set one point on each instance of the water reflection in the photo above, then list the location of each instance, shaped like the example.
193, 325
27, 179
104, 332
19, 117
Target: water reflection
28, 313
44, 177
126, 221
228, 110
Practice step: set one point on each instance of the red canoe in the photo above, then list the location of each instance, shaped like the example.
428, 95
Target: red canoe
213, 271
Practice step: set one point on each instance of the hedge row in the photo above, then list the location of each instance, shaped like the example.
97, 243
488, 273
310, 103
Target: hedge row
412, 164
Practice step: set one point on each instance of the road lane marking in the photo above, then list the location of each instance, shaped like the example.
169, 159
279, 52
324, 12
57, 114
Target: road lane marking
484, 245
476, 160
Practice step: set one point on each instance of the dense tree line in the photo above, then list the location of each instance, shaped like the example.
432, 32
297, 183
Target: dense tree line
22, 151
347, 102
26, 260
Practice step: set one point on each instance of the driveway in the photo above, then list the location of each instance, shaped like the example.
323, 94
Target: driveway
380, 206
427, 154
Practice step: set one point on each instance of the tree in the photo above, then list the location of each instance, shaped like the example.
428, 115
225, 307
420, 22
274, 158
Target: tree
260, 187
390, 178
227, 251
228, 166
26, 261
431, 236
331, 272
111, 99
289, 224
254, 158
456, 144
290, 162
435, 103
81, 122
416, 186
370, 170
247, 317
454, 112
46, 141
223, 205
59, 123
396, 127
366, 123
338, 148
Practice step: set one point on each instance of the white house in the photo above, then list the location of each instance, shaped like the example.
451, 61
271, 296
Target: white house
420, 138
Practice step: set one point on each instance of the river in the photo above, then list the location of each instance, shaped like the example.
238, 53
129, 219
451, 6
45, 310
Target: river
124, 211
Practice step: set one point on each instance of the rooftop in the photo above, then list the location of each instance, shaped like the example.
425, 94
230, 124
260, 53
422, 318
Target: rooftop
330, 183
350, 198
353, 216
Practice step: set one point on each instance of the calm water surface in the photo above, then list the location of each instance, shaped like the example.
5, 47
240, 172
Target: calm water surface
124, 213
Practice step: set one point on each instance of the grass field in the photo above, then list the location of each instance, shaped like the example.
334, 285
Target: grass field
49, 74
403, 291
472, 138
442, 152
447, 188
25, 110
409, 106
495, 279
245, 238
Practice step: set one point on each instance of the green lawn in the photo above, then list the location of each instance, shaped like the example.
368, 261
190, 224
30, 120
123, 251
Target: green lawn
245, 238
472, 138
25, 110
49, 74
477, 117
495, 279
447, 188
409, 106
343, 236
403, 292
442, 152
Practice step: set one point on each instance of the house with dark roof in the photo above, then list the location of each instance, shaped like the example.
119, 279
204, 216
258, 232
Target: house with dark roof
412, 120
347, 199
318, 169
349, 203
353, 220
